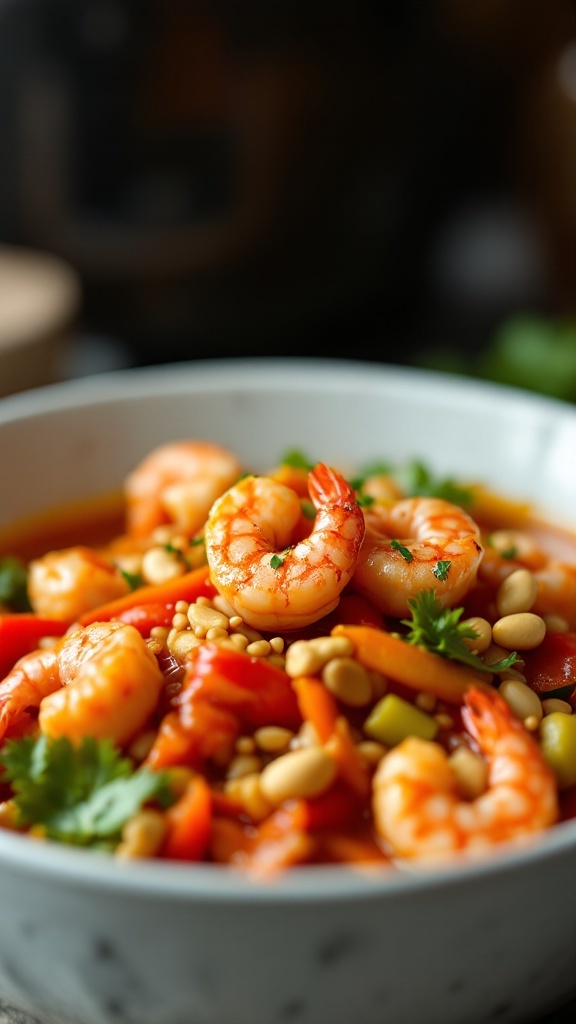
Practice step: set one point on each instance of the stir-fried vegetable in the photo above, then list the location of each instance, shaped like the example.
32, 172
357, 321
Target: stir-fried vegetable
333, 686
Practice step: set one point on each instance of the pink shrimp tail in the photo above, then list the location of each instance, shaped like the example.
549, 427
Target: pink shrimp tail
486, 716
328, 487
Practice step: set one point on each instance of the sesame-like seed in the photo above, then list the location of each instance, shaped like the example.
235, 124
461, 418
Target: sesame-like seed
159, 633
180, 621
216, 633
258, 649
239, 641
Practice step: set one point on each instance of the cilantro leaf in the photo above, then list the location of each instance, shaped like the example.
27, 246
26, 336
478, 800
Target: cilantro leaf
406, 554
441, 570
80, 794
439, 630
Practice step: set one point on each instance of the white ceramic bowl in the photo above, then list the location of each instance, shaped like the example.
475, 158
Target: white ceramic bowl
87, 940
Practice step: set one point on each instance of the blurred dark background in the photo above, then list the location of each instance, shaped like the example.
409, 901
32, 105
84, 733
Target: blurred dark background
382, 180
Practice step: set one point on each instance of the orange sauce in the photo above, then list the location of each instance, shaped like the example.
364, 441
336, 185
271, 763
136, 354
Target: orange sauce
94, 522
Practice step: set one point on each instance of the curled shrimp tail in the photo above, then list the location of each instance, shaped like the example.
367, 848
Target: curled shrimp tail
339, 523
486, 716
270, 576
327, 487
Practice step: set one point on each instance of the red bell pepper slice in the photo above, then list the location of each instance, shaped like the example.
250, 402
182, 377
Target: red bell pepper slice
206, 733
223, 691
20, 633
552, 664
144, 617
255, 691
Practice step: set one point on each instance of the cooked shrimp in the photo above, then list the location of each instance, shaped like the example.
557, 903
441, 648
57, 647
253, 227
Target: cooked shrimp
418, 811
32, 678
111, 684
269, 583
100, 681
40, 673
402, 549
177, 483
65, 584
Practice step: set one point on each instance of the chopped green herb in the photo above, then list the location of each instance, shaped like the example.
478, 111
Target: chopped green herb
441, 570
416, 480
179, 554
277, 560
509, 553
297, 460
365, 500
80, 794
195, 542
133, 579
406, 554
13, 584
439, 630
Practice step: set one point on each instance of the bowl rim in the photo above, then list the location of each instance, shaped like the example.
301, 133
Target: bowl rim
216, 883
270, 372
219, 882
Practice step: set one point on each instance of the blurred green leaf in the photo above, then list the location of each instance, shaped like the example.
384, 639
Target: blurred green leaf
534, 353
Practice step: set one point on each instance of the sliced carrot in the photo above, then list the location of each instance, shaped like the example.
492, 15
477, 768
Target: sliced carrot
410, 665
188, 587
351, 766
317, 705
189, 822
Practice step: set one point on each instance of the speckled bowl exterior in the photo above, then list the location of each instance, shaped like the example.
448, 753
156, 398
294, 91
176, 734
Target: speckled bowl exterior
88, 940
